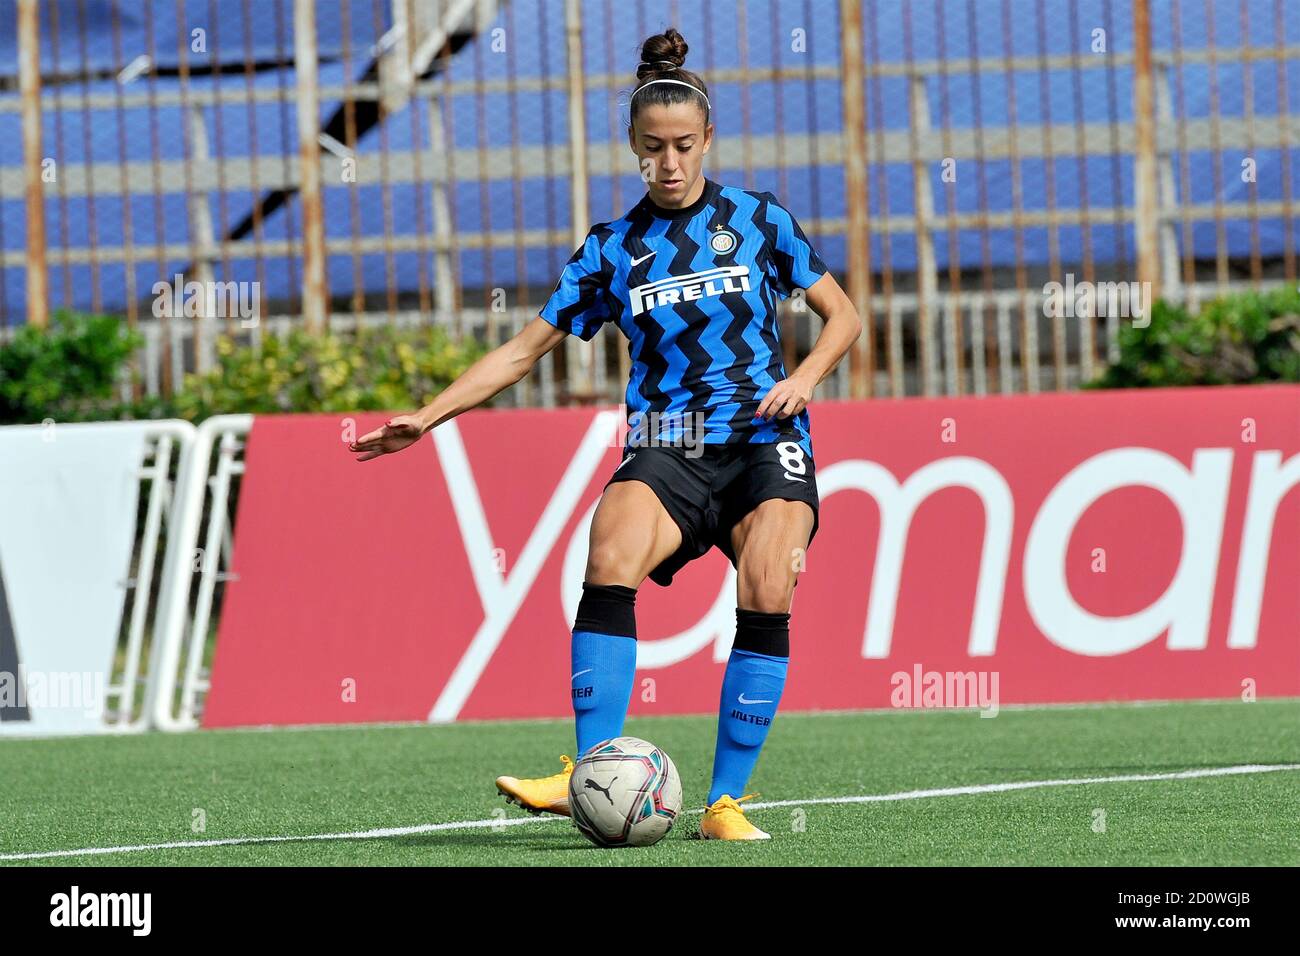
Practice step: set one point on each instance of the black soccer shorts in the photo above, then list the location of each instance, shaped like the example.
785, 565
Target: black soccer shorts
708, 489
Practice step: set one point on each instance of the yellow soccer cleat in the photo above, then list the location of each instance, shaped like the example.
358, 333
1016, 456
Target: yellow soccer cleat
540, 794
724, 820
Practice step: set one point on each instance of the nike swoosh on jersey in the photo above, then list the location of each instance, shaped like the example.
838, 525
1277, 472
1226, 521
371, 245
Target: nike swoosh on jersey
624, 461
792, 477
741, 698
637, 262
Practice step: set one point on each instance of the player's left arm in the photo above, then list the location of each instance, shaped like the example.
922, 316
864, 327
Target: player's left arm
842, 327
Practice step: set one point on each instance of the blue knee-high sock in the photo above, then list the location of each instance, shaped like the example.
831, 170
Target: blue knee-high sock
604, 662
751, 693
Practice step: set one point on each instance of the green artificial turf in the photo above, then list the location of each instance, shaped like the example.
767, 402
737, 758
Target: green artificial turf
95, 792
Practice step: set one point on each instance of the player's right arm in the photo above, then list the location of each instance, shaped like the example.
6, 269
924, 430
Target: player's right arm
578, 306
493, 373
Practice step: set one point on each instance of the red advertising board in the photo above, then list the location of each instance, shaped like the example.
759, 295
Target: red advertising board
1082, 547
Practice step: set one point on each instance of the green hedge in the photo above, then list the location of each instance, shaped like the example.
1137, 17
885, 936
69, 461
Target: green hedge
378, 369
70, 371
1239, 339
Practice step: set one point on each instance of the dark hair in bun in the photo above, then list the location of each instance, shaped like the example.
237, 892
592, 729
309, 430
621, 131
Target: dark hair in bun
662, 56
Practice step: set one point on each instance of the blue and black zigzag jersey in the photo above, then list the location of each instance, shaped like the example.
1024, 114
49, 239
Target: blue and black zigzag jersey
694, 290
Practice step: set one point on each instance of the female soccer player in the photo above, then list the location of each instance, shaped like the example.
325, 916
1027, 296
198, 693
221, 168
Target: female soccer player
719, 450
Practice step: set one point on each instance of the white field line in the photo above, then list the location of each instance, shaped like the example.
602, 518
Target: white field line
382, 832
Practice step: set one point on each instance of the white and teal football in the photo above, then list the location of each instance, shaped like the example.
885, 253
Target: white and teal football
625, 792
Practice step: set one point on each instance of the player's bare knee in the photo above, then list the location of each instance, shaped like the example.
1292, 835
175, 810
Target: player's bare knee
766, 586
609, 562
770, 602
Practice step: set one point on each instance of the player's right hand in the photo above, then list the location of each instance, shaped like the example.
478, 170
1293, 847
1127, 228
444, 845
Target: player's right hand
396, 434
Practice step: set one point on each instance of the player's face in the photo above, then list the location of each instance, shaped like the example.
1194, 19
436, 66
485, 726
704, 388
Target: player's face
670, 143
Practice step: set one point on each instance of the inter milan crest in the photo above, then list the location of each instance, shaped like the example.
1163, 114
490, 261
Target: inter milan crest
722, 242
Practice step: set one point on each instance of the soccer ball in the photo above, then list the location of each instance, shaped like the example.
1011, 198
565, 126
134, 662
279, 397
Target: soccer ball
625, 792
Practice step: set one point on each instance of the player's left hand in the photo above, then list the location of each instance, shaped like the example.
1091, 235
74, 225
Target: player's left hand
787, 398
397, 433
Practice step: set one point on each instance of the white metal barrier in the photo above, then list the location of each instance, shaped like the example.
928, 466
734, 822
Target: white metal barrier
190, 571
163, 435
46, 637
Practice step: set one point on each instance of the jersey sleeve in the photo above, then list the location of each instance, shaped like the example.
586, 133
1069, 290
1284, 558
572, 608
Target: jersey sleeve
580, 303
798, 266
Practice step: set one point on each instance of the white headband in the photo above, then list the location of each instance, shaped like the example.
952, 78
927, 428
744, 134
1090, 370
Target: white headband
678, 83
